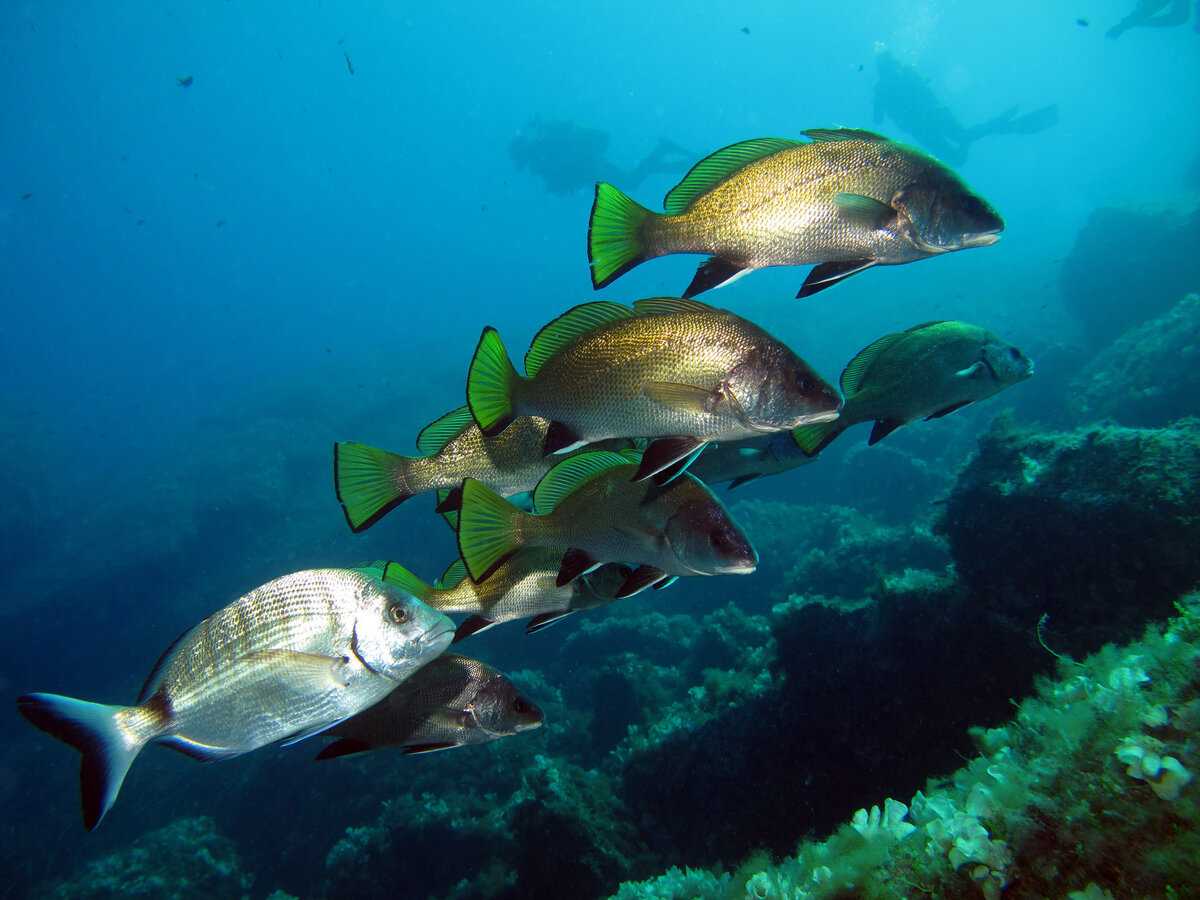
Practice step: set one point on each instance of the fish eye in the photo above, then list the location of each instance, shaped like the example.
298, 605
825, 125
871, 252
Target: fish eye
804, 383
521, 705
719, 540
1014, 352
398, 614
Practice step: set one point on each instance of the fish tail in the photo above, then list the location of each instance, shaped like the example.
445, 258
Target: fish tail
615, 235
490, 382
370, 483
488, 529
398, 576
812, 439
101, 733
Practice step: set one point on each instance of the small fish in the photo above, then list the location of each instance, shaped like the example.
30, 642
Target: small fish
740, 462
452, 702
185, 81
523, 586
349, 65
927, 372
1082, 22
675, 370
370, 482
282, 663
220, 222
27, 195
590, 504
847, 200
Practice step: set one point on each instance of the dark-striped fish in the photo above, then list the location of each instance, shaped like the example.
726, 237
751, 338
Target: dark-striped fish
286, 661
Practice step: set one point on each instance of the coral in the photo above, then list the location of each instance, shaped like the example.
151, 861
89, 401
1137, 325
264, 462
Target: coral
1149, 377
186, 860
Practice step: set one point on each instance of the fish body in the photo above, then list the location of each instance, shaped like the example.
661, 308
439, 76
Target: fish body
925, 372
452, 702
285, 661
740, 462
668, 368
371, 483
522, 587
590, 504
845, 201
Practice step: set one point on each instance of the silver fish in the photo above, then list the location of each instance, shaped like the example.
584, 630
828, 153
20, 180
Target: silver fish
286, 661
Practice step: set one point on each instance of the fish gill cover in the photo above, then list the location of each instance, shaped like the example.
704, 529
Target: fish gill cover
227, 247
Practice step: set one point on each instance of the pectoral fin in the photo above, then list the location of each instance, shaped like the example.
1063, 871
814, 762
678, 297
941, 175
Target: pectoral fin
969, 370
305, 672
343, 747
865, 212
685, 397
472, 625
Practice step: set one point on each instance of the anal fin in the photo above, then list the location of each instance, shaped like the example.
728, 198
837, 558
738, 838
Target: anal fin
639, 579
575, 562
664, 453
883, 427
714, 272
546, 619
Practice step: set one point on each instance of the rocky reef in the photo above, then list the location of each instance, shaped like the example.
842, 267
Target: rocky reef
1144, 252
1149, 376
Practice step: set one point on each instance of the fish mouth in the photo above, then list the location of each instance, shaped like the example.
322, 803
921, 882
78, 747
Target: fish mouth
431, 637
739, 569
981, 238
826, 415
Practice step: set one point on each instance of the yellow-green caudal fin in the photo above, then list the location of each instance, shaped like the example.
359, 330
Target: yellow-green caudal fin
812, 439
614, 235
488, 529
370, 483
95, 731
490, 382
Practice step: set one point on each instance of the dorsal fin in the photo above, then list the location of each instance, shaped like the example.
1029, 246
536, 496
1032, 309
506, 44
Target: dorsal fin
438, 434
717, 167
832, 135
574, 471
570, 325
454, 573
665, 306
856, 369
160, 667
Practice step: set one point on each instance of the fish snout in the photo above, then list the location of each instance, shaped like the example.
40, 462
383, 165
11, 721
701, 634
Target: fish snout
982, 238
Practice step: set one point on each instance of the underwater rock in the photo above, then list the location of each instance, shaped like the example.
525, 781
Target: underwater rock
574, 836
1096, 528
1129, 263
186, 860
1149, 377
1073, 797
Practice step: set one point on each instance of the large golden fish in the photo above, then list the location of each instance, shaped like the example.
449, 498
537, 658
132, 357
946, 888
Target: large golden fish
846, 201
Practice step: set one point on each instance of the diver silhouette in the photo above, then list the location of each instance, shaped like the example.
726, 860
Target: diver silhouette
1144, 14
904, 96
568, 156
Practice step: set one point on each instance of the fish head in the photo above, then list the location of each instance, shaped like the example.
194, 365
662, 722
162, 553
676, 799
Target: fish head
394, 632
777, 390
704, 537
500, 709
942, 214
1005, 363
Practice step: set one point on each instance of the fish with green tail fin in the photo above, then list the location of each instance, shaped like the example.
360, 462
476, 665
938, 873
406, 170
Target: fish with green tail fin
589, 504
524, 586
927, 372
677, 371
452, 702
845, 201
284, 662
371, 482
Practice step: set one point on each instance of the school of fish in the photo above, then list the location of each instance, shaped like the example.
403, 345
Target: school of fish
581, 481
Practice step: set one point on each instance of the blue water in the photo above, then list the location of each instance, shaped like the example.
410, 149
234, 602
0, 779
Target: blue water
205, 286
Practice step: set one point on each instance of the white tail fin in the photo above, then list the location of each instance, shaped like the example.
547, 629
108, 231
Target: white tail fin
95, 730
